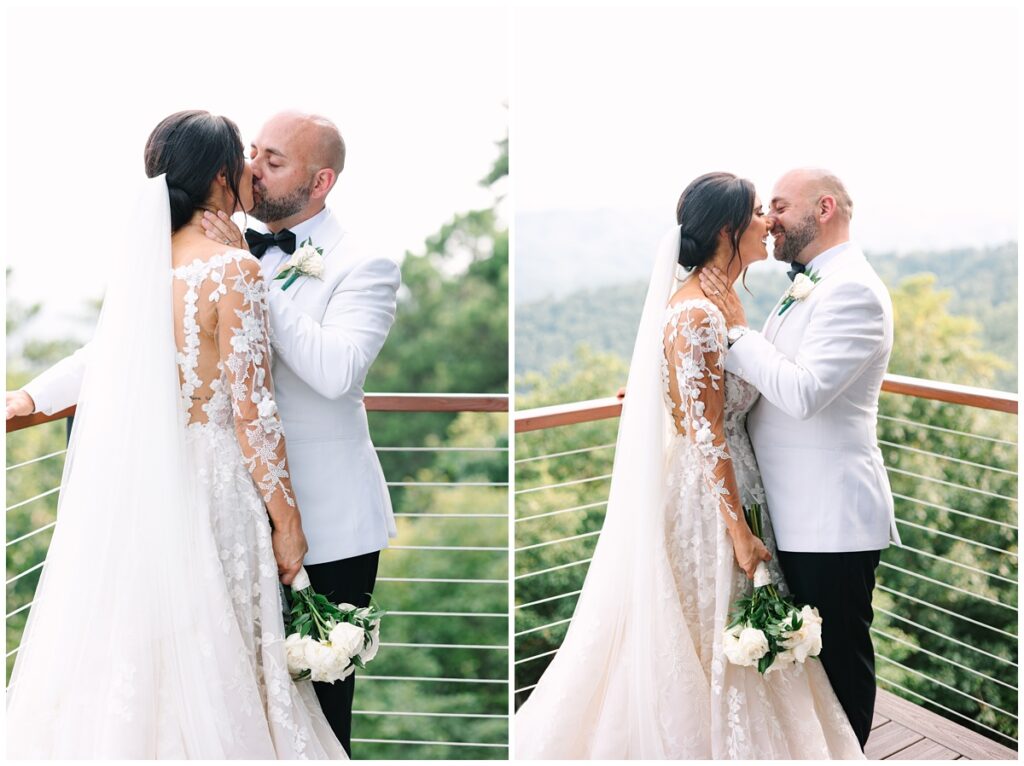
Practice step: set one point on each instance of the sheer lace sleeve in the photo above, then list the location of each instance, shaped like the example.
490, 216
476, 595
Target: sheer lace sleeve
695, 380
243, 340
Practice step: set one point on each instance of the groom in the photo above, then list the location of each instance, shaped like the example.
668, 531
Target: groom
326, 333
819, 364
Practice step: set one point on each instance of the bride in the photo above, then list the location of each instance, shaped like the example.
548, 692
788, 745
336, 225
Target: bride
157, 629
642, 673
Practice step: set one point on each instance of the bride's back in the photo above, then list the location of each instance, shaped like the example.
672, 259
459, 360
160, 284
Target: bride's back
219, 323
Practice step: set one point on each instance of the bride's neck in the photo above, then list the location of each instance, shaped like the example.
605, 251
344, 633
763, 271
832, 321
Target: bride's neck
725, 263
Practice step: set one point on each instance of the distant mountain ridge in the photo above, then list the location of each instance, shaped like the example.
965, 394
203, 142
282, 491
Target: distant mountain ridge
983, 283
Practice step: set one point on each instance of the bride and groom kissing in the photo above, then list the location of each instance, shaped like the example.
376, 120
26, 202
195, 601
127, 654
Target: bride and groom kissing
180, 509
719, 418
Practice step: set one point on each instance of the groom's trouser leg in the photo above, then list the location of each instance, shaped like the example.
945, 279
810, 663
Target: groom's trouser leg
840, 586
350, 581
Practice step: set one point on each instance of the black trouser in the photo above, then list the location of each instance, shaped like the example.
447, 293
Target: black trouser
840, 586
350, 581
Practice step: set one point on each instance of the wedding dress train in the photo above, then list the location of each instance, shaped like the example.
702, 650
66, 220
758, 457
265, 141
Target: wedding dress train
157, 627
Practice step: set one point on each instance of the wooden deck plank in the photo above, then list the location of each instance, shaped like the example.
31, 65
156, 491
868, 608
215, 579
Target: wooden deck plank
878, 720
925, 750
941, 730
889, 738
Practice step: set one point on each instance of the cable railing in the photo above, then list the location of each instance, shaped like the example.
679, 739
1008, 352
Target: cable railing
946, 612
439, 687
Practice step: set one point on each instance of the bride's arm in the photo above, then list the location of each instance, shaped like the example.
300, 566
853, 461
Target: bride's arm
695, 344
243, 340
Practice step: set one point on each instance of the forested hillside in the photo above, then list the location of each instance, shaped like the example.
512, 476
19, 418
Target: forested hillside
981, 285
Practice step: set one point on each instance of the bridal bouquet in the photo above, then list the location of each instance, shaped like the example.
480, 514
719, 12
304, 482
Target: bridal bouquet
325, 641
768, 630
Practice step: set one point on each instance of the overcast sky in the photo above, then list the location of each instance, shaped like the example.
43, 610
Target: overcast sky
916, 109
420, 96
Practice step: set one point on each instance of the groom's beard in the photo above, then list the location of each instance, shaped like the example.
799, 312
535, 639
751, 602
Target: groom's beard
268, 209
795, 239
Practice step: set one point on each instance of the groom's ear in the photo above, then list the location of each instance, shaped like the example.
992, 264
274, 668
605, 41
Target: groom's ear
826, 207
323, 182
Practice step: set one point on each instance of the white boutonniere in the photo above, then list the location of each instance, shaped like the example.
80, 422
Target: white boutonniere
306, 261
802, 286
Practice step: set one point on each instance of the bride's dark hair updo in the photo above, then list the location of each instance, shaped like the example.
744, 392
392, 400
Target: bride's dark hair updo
710, 203
192, 147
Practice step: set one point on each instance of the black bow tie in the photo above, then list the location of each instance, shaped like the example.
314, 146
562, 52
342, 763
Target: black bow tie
259, 242
795, 268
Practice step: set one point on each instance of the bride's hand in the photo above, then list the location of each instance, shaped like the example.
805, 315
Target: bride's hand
750, 551
19, 404
289, 549
722, 294
221, 228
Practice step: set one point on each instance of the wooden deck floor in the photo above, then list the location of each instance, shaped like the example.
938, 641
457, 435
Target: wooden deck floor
904, 731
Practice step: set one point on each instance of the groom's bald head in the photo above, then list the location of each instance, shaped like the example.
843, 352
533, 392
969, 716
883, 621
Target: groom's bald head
315, 136
810, 212
296, 160
814, 183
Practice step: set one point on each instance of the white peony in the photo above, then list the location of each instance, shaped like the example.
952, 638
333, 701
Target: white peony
370, 652
801, 287
320, 660
782, 661
347, 638
295, 651
335, 667
805, 642
744, 645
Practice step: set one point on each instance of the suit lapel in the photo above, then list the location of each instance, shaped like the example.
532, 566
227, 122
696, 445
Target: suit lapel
328, 236
840, 261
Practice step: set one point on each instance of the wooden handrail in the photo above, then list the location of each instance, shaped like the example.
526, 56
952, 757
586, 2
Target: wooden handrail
985, 398
611, 407
374, 403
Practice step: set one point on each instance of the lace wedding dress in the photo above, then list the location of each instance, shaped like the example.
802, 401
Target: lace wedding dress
641, 673
157, 628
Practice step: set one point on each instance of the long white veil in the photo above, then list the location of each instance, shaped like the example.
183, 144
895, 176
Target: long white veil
112, 610
599, 696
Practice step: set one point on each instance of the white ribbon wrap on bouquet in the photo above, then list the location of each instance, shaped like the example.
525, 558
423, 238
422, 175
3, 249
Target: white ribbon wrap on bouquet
301, 581
762, 576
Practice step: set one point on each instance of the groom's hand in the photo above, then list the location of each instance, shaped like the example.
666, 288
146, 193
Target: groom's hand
719, 292
221, 228
19, 404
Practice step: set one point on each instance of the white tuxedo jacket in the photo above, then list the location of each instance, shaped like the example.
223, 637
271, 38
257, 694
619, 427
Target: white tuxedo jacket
819, 368
325, 333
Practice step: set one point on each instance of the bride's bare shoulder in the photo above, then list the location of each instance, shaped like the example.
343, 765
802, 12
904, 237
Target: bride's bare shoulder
187, 251
689, 291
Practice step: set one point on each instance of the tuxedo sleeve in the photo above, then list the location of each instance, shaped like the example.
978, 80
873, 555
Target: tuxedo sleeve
58, 387
846, 331
334, 355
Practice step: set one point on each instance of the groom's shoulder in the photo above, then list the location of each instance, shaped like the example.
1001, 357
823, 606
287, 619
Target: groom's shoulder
859, 288
354, 257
